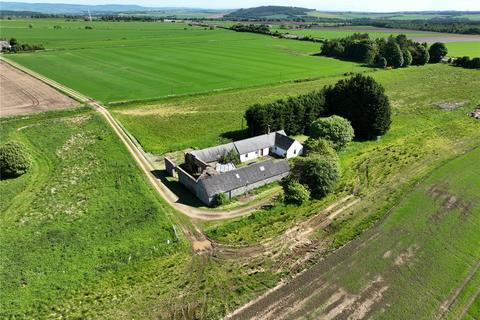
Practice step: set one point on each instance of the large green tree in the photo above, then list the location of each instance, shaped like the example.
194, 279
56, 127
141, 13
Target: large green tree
393, 54
336, 129
437, 51
363, 102
319, 174
14, 160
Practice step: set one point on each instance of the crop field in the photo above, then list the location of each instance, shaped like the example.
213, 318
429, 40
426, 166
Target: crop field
422, 262
135, 61
22, 94
340, 32
391, 16
460, 49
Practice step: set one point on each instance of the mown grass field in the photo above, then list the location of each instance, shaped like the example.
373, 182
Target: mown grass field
341, 32
135, 61
460, 49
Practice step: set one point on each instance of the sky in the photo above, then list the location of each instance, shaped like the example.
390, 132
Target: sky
328, 5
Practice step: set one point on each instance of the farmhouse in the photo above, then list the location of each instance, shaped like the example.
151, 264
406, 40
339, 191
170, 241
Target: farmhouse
205, 176
4, 45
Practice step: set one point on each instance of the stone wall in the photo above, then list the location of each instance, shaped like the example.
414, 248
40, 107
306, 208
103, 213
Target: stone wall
170, 167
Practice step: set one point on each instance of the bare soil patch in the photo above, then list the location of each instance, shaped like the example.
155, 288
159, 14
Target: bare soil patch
450, 106
21, 93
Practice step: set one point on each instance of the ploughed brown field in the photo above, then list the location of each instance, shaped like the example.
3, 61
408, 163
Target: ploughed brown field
21, 94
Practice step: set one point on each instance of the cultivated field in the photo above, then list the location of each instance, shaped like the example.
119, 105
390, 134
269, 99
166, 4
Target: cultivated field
131, 61
22, 94
422, 262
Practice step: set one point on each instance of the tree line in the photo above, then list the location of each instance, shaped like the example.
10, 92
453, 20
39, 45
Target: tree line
395, 52
294, 115
16, 46
360, 100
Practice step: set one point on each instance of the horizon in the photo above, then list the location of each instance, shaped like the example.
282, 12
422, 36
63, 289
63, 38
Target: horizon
328, 5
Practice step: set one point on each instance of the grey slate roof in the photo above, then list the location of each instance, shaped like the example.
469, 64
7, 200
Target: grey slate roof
283, 141
255, 143
263, 141
243, 176
212, 154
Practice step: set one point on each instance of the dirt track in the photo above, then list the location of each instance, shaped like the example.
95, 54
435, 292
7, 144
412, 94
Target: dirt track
21, 93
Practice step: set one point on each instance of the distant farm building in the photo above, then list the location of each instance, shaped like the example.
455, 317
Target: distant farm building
4, 45
205, 176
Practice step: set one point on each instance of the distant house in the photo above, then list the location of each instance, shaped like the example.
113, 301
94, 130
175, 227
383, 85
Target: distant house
205, 177
5, 45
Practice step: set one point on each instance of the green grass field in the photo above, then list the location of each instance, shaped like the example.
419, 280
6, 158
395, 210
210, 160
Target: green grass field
131, 61
391, 16
341, 32
460, 49
82, 220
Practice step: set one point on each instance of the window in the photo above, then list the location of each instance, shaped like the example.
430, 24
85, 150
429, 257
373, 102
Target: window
262, 168
294, 151
237, 175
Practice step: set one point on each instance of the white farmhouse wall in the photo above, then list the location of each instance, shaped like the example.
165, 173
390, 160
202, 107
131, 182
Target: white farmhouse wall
295, 149
249, 156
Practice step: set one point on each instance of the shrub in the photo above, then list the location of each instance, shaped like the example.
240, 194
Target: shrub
295, 192
335, 129
380, 62
320, 147
407, 58
363, 102
320, 174
14, 160
230, 156
437, 51
420, 55
393, 54
220, 199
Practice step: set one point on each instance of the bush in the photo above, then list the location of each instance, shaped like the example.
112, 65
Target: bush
407, 58
295, 192
221, 199
335, 129
363, 102
393, 54
320, 147
420, 55
14, 160
380, 62
320, 174
465, 62
437, 51
230, 156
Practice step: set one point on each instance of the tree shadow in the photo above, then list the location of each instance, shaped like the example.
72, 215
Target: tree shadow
235, 135
184, 195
